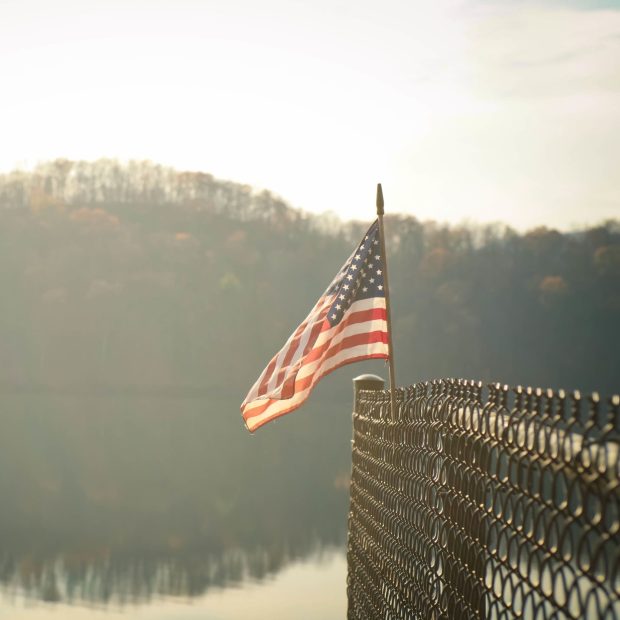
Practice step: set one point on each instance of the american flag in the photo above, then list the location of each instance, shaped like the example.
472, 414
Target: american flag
347, 324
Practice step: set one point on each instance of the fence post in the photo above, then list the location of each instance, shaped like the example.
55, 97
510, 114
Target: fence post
358, 587
366, 382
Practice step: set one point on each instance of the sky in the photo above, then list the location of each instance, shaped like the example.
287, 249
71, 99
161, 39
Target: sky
465, 110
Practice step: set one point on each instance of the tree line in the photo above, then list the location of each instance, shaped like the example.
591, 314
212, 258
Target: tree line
138, 276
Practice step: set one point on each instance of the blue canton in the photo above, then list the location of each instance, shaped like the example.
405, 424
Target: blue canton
361, 277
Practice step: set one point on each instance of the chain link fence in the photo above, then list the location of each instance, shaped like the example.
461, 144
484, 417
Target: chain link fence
484, 502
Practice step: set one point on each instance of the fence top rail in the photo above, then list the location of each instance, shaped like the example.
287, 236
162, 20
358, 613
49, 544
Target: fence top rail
565, 429
572, 407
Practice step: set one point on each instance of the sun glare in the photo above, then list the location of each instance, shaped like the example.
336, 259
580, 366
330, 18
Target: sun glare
462, 111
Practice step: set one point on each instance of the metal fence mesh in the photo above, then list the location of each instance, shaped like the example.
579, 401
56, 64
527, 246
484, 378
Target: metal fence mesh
484, 503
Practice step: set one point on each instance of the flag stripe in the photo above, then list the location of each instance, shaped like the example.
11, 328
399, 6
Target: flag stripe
272, 378
361, 310
332, 342
322, 352
348, 343
304, 334
356, 318
256, 420
285, 353
289, 380
314, 370
264, 379
335, 333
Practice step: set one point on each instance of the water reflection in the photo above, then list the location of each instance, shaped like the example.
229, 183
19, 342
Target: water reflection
305, 591
117, 501
132, 580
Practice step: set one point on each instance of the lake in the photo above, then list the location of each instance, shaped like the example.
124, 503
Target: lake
166, 507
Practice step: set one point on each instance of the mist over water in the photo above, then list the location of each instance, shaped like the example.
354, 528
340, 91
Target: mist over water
112, 501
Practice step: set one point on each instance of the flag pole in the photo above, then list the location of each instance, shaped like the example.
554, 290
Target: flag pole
392, 374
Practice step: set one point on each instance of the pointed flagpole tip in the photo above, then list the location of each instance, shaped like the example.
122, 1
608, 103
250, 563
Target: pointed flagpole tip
379, 199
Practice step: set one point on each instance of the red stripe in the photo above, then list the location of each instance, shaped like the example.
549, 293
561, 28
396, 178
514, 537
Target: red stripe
258, 410
290, 351
290, 385
289, 382
288, 388
262, 388
286, 411
363, 316
374, 314
302, 384
345, 343
289, 354
354, 319
356, 340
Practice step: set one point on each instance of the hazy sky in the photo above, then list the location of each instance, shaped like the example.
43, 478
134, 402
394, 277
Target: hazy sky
464, 109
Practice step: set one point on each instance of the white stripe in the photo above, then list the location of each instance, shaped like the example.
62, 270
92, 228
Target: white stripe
361, 349
310, 321
374, 325
278, 407
350, 330
374, 303
282, 405
371, 303
378, 325
253, 393
366, 304
306, 369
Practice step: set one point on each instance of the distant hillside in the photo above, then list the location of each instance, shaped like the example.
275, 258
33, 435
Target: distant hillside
64, 184
137, 276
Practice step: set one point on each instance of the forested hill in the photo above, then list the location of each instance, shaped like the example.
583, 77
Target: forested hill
65, 184
140, 277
